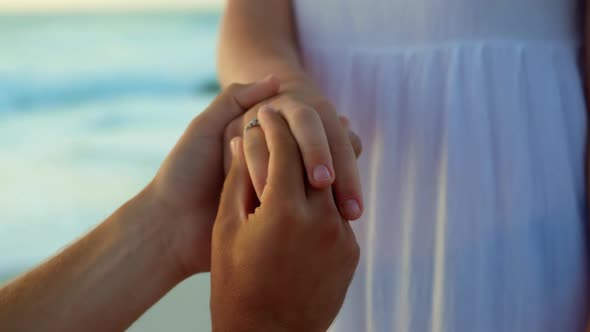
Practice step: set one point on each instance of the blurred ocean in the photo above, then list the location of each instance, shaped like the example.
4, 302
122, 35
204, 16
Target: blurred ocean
89, 107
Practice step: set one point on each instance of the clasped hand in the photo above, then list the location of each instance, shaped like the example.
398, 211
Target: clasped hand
283, 252
275, 236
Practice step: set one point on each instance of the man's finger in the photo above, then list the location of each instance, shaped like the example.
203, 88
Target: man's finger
257, 92
237, 196
286, 177
234, 101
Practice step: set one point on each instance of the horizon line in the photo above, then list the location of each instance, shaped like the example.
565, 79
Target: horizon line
98, 9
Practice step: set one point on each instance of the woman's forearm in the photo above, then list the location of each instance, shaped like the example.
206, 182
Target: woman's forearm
257, 38
103, 282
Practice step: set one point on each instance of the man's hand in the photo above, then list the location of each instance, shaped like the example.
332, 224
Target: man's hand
187, 187
328, 148
108, 278
287, 265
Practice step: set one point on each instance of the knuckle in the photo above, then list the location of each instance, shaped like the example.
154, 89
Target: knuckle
289, 210
329, 210
323, 105
329, 224
303, 114
329, 232
353, 252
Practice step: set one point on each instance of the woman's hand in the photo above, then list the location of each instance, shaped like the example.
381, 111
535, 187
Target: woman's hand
187, 187
328, 148
287, 265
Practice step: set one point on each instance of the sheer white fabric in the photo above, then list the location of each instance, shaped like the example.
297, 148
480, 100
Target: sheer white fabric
473, 121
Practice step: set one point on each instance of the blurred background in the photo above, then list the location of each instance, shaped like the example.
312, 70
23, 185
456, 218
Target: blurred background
93, 94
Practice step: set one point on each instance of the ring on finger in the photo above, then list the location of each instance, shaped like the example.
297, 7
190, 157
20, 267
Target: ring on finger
252, 124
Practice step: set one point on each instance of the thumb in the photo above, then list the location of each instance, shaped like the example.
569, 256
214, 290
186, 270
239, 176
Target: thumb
234, 101
238, 196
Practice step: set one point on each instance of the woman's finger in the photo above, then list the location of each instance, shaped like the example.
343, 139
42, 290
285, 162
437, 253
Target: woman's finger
229, 105
257, 157
357, 145
308, 130
345, 121
354, 139
347, 187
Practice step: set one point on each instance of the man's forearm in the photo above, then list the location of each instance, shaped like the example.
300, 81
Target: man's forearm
103, 282
258, 38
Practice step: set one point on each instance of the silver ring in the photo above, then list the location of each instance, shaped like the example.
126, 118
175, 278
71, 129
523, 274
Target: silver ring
252, 124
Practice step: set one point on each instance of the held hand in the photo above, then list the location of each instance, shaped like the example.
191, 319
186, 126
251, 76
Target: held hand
287, 265
187, 187
328, 148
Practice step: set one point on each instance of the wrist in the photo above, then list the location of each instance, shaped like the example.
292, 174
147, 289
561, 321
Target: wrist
158, 228
186, 236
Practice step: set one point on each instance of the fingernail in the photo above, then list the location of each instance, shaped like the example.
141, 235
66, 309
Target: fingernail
352, 208
321, 174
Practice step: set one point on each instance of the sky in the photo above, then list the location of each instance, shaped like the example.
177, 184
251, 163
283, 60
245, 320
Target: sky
92, 5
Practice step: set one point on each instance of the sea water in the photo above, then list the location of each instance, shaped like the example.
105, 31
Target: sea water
89, 107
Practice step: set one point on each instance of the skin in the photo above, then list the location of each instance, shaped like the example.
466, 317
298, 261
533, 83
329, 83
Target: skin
245, 24
295, 228
111, 276
107, 279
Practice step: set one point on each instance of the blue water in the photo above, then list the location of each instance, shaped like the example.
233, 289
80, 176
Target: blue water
89, 107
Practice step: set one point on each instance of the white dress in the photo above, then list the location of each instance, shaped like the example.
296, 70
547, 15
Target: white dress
472, 116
